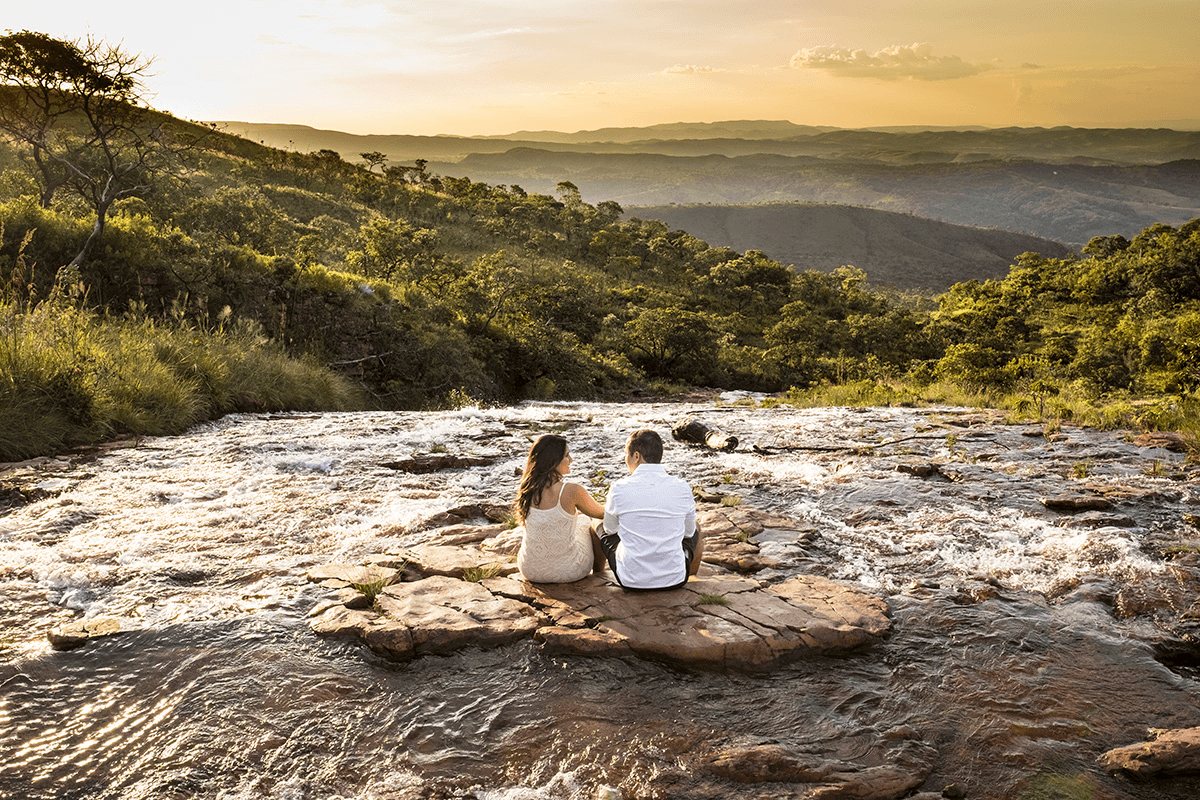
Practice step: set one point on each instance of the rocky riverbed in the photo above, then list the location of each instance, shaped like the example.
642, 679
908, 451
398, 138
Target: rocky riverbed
1033, 595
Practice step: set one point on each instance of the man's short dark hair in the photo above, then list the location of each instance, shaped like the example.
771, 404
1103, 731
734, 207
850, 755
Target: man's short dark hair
646, 442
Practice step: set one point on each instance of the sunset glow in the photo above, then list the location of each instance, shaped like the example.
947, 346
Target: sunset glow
482, 67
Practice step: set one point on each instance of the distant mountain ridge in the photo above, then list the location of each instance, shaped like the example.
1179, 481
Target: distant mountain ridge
894, 249
1051, 145
1069, 203
1064, 184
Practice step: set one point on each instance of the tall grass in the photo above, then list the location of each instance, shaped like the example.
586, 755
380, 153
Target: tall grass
70, 376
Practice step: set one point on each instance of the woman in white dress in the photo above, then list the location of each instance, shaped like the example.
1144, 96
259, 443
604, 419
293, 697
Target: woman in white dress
559, 545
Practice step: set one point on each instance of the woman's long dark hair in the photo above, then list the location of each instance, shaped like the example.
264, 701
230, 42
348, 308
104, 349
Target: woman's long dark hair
540, 471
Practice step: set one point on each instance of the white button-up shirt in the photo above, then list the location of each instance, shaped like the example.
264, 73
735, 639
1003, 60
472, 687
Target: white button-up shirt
653, 512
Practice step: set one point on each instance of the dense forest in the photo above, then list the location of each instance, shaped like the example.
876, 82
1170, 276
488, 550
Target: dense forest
232, 276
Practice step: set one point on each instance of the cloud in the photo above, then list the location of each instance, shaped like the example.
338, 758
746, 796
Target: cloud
898, 61
687, 69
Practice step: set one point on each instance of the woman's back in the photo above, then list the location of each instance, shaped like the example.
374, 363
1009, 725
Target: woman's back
556, 547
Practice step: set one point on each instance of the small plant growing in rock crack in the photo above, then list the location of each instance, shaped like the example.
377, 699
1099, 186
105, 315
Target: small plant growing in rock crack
741, 536
952, 446
510, 520
731, 500
1081, 469
712, 600
439, 448
370, 583
482, 572
1156, 470
727, 477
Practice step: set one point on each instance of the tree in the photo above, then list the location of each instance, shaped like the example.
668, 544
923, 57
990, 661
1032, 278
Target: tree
374, 159
672, 343
78, 108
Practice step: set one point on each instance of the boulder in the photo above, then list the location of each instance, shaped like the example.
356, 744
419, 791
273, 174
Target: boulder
1171, 752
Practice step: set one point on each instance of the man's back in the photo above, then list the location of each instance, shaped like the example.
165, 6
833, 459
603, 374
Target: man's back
653, 512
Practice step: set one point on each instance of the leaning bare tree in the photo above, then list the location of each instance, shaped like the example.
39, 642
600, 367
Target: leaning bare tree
78, 109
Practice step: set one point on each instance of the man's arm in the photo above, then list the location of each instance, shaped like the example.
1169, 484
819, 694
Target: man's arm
689, 522
611, 518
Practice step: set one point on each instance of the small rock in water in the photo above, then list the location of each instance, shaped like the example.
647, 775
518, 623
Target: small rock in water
74, 634
1169, 753
1076, 502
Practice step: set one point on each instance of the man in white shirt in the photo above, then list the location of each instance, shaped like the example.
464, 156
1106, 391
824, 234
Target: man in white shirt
649, 532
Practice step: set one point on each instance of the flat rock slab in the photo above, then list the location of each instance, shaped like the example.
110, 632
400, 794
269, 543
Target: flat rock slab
76, 634
713, 621
1171, 753
729, 536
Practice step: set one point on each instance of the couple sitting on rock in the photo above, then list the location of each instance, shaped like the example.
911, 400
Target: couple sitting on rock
646, 532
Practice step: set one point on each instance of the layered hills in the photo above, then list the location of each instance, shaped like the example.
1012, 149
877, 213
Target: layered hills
1065, 184
893, 249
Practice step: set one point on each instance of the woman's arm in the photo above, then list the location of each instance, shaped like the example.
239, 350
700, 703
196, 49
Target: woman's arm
580, 500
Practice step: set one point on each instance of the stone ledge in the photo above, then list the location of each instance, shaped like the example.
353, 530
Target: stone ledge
713, 621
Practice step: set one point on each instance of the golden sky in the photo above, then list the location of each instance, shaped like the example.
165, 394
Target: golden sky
490, 67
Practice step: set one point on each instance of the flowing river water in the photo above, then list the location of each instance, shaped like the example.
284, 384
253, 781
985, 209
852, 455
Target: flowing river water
1025, 642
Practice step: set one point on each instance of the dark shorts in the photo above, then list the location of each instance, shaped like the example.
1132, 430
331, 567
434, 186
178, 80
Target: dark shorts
609, 542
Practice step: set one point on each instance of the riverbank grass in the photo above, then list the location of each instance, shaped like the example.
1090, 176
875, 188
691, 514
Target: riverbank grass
1071, 403
70, 377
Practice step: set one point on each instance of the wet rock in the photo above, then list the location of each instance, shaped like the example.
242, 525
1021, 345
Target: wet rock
1073, 502
766, 763
464, 514
75, 634
433, 615
717, 621
892, 769
1171, 752
1168, 440
727, 537
425, 464
920, 470
1100, 519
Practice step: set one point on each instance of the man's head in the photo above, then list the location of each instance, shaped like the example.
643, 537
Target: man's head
644, 447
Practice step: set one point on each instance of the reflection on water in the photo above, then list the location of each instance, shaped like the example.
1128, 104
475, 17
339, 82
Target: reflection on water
202, 541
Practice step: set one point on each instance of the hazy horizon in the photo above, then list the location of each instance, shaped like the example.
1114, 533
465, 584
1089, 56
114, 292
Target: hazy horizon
480, 67
1178, 125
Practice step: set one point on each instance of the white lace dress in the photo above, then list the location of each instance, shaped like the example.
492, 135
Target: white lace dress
556, 547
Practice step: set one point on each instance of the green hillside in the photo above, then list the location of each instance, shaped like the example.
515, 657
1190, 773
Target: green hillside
893, 249
249, 278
